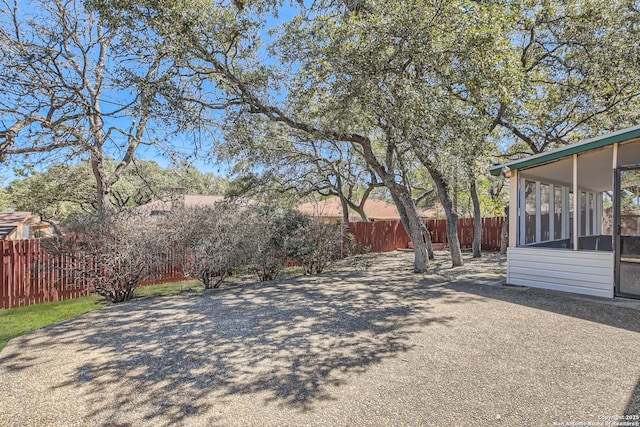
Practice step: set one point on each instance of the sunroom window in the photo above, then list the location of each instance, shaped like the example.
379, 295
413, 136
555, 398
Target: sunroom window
544, 212
530, 211
549, 214
583, 213
564, 204
546, 209
557, 213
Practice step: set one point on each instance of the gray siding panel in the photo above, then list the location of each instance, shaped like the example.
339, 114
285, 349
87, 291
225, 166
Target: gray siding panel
583, 272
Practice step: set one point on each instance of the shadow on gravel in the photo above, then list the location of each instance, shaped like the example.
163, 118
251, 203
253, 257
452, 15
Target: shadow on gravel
633, 407
289, 341
18, 361
581, 308
585, 309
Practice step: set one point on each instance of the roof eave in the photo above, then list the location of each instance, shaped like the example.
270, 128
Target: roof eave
589, 144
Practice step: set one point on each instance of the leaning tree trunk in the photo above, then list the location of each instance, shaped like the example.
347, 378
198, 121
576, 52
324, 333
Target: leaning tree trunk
103, 187
477, 221
413, 225
345, 210
451, 215
406, 207
360, 211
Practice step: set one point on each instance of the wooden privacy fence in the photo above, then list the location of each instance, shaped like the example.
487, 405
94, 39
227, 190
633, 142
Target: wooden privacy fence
380, 236
491, 230
29, 275
385, 236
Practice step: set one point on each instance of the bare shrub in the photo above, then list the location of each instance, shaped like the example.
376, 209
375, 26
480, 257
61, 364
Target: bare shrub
324, 242
212, 240
110, 254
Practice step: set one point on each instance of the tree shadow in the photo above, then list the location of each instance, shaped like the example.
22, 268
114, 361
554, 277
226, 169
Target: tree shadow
586, 308
633, 406
285, 343
592, 309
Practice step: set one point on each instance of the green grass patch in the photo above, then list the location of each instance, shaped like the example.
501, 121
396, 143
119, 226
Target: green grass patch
22, 320
18, 321
289, 272
169, 288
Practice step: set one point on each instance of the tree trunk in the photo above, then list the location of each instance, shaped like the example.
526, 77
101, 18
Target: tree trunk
104, 199
206, 279
361, 213
451, 215
406, 207
358, 208
413, 225
504, 233
429, 242
345, 209
103, 188
455, 193
477, 221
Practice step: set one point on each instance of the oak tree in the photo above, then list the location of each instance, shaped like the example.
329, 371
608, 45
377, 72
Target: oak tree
71, 86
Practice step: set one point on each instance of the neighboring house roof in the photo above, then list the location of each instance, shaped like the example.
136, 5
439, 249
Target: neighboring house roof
190, 201
9, 221
589, 144
375, 209
193, 200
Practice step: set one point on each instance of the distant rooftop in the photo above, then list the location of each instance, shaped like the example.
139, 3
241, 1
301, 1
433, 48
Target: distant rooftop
190, 201
377, 210
10, 220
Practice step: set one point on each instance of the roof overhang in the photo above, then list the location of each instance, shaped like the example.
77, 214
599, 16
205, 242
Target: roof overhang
580, 147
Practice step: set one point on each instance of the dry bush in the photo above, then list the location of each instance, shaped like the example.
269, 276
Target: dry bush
212, 240
110, 254
358, 255
324, 245
274, 235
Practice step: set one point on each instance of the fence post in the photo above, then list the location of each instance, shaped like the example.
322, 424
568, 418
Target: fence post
4, 285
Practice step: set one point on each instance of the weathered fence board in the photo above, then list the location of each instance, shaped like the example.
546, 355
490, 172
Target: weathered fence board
381, 236
385, 236
491, 232
29, 275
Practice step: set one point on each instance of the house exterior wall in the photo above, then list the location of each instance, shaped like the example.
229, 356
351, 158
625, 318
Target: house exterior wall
18, 233
513, 209
582, 272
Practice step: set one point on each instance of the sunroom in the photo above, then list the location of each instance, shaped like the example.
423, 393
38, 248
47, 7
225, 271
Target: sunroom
576, 222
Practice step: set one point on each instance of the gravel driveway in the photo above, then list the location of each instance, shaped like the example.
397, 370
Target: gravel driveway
377, 347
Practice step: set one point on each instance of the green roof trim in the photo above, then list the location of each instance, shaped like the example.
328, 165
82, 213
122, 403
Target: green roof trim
580, 147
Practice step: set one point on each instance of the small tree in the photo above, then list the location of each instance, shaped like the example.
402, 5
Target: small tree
110, 254
211, 239
324, 245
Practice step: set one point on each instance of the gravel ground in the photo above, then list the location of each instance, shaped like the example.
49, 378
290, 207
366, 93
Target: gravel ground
382, 346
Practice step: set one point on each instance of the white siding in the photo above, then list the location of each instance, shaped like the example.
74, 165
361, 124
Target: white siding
582, 272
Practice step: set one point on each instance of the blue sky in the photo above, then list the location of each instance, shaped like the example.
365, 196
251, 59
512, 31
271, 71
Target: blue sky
184, 144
